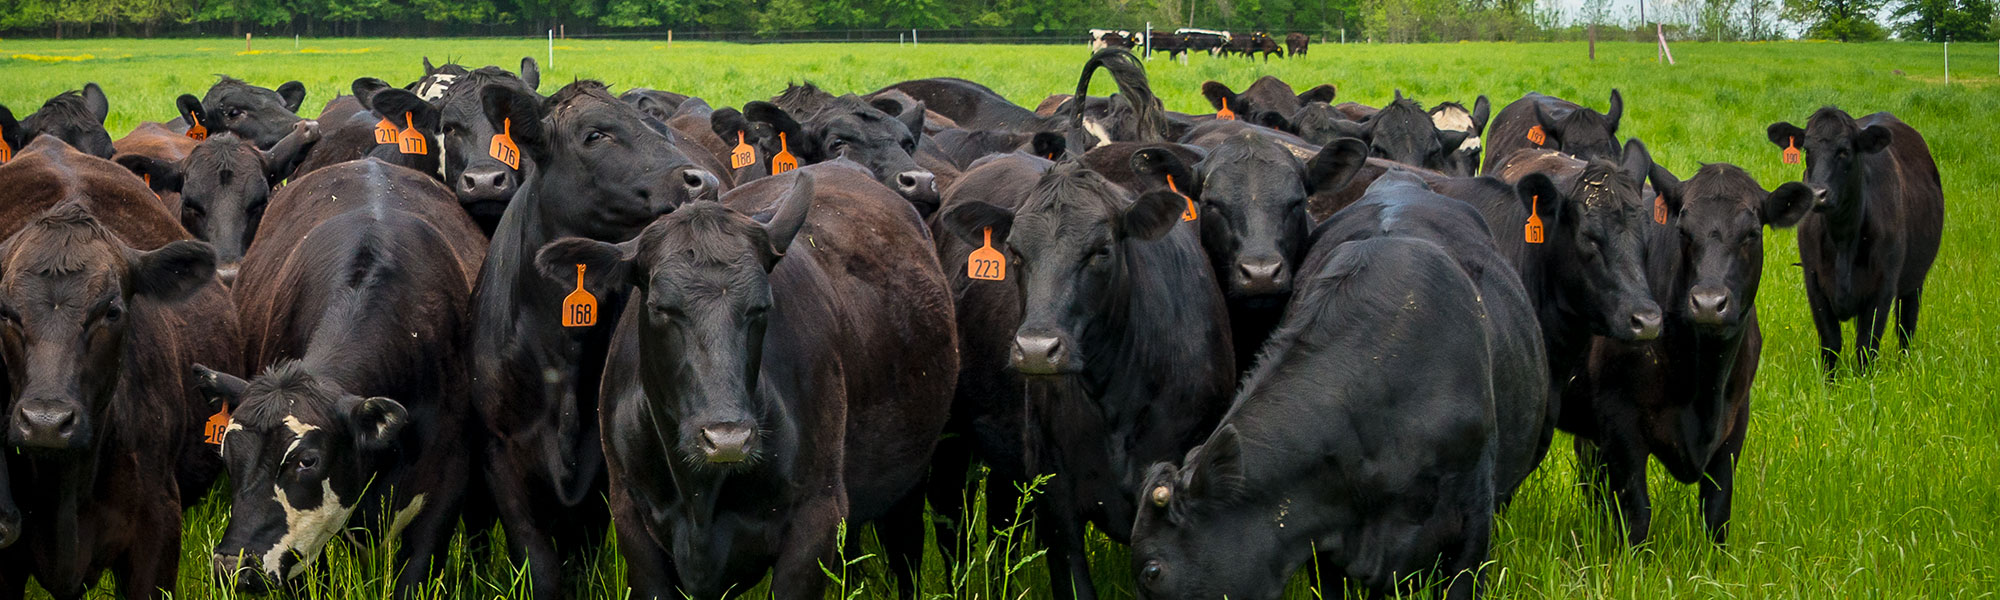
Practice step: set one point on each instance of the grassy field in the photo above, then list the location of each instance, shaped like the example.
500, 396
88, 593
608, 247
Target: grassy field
1884, 486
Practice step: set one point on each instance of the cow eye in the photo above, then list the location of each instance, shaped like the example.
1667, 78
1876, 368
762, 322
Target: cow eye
838, 145
235, 113
594, 137
308, 462
8, 317
1101, 253
112, 313
1150, 575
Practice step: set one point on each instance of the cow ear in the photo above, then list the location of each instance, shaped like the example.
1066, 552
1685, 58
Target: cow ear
913, 118
605, 265
1152, 215
1322, 93
1617, 110
191, 111
171, 272
789, 218
285, 156
795, 136
1335, 165
1152, 166
1785, 206
1049, 145
1539, 196
163, 176
1548, 126
365, 88
1481, 111
518, 111
393, 103
93, 98
377, 421
1638, 163
692, 106
1784, 134
219, 388
1215, 470
1668, 187
293, 93
726, 123
1359, 130
1871, 140
1217, 93
428, 69
969, 221
531, 73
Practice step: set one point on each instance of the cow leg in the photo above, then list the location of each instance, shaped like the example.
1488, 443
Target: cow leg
902, 535
1591, 471
150, 567
1463, 564
1828, 326
809, 543
1069, 560
1718, 482
1906, 317
1625, 462
426, 540
530, 542
946, 488
1868, 330
649, 570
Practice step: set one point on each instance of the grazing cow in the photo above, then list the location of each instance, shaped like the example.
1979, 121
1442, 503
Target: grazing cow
1564, 126
75, 117
1296, 43
224, 186
1252, 195
1122, 345
485, 184
815, 126
1399, 472
1685, 398
1452, 116
1115, 39
1878, 217
1266, 95
260, 115
354, 305
1174, 45
1204, 40
809, 391
601, 172
106, 304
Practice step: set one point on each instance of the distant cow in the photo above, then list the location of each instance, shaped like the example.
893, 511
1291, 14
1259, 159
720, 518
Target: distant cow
1878, 216
111, 304
1201, 40
358, 414
75, 117
1564, 126
1266, 95
1685, 398
1296, 43
1408, 326
1174, 45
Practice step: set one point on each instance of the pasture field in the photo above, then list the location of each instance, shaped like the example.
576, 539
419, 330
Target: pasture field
1877, 486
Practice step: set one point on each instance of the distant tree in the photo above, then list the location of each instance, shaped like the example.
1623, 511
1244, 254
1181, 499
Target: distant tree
1844, 20
1945, 20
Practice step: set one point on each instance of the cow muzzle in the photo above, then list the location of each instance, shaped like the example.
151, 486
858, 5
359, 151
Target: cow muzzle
727, 443
227, 273
47, 424
1643, 324
1263, 275
1041, 353
241, 572
1708, 305
486, 183
1822, 199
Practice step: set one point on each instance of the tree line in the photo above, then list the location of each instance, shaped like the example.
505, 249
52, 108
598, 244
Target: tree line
1015, 20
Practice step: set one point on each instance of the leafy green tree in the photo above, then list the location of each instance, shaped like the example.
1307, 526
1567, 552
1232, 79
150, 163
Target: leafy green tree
1844, 20
1945, 20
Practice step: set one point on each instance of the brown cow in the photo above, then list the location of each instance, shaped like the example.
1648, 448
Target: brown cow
157, 142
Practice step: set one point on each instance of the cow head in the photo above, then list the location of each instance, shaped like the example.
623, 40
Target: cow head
1252, 193
704, 290
404, 109
301, 453
606, 173
1462, 161
1068, 246
1404, 133
1834, 144
65, 291
257, 114
1594, 249
1267, 94
1318, 123
224, 184
75, 117
1193, 537
881, 135
1721, 214
1584, 132
485, 185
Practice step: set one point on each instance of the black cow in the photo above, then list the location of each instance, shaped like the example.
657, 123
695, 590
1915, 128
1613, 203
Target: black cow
1565, 126
1315, 123
1296, 43
1266, 95
103, 424
260, 115
601, 172
354, 304
971, 105
1174, 45
485, 184
225, 185
1462, 161
1685, 398
75, 117
815, 126
1201, 41
1878, 217
1123, 345
1403, 132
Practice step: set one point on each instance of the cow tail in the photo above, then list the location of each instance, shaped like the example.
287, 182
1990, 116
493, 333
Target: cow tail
1132, 83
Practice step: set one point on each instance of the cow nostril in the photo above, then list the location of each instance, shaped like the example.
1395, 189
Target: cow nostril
467, 183
1645, 324
906, 181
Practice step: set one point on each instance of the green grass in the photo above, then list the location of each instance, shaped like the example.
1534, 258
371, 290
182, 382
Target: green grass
1884, 486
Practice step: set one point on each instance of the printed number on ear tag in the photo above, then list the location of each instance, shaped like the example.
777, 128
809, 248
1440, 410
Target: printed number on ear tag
409, 141
197, 132
1225, 114
503, 149
1187, 215
217, 426
385, 131
1660, 209
579, 308
1536, 136
783, 160
1534, 230
986, 263
1791, 151
743, 155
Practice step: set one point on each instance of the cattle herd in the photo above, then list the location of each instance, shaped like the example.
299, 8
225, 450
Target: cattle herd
1216, 43
1287, 333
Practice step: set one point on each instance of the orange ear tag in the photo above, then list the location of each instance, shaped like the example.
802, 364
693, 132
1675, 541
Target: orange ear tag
1225, 114
1534, 231
409, 140
743, 155
783, 160
385, 131
1660, 209
6, 153
1536, 136
1190, 213
197, 132
1791, 151
217, 426
579, 308
986, 263
503, 149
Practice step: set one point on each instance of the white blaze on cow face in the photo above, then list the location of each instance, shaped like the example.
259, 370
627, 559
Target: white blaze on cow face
306, 530
433, 87
1456, 119
299, 431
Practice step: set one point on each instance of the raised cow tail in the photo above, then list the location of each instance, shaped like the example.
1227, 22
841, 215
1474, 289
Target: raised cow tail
1132, 84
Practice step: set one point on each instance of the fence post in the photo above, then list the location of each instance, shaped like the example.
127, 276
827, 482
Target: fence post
1149, 40
913, 37
670, 38
552, 48
246, 43
1947, 61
